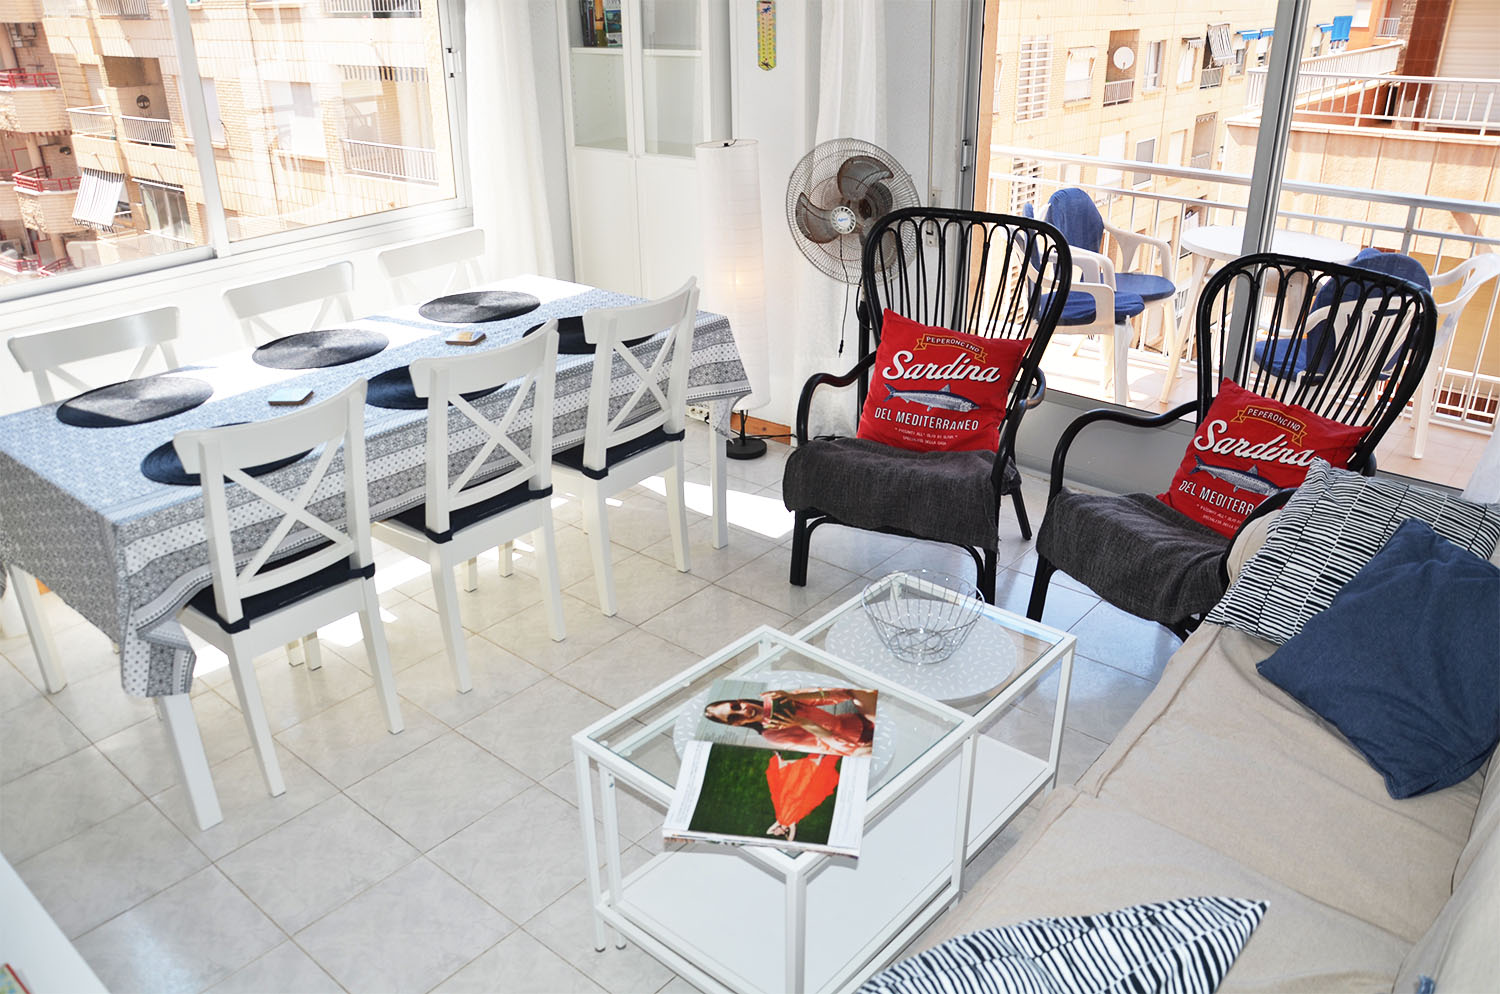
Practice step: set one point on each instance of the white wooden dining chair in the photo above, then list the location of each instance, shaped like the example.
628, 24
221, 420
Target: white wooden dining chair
291, 299
432, 267
462, 518
624, 443
1470, 275
257, 603
44, 355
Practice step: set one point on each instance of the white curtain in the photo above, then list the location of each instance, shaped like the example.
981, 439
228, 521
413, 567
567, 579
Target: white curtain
851, 104
506, 171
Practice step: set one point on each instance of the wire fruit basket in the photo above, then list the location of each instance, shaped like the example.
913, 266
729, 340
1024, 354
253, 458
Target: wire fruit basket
922, 615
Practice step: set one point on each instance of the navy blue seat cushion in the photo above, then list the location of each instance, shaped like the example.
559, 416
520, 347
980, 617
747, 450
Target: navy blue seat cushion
415, 518
1147, 286
261, 605
616, 454
1405, 661
1079, 307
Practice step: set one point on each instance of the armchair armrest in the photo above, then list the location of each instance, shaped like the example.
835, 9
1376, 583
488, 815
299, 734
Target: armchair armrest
804, 403
1095, 267
1130, 242
1038, 392
1103, 414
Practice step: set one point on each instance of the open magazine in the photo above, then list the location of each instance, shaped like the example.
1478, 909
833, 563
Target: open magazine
787, 768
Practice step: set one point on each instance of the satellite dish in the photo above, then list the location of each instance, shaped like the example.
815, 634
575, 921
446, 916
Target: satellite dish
1123, 58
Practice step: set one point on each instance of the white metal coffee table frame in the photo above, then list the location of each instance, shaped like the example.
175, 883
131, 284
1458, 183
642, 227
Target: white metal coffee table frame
637, 907
1004, 779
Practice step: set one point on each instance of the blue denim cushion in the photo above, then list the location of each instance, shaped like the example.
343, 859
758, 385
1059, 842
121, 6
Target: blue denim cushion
1405, 661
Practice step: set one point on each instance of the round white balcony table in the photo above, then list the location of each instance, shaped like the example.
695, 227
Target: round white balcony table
1212, 243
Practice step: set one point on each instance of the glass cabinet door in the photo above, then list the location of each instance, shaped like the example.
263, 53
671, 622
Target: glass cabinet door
672, 76
596, 66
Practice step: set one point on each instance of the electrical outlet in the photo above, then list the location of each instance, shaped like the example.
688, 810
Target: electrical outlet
698, 412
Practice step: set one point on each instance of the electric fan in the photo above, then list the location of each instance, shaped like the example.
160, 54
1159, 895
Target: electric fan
836, 194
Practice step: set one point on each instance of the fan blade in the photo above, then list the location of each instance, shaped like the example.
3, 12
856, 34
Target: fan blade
814, 222
858, 173
879, 199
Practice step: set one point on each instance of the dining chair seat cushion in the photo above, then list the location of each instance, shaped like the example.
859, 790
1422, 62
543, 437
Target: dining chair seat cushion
415, 518
135, 402
1135, 552
570, 337
616, 454
1079, 307
941, 496
320, 349
393, 390
260, 605
1147, 286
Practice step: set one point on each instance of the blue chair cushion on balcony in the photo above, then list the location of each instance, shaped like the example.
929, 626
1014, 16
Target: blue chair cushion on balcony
1079, 307
1145, 285
1073, 212
1315, 356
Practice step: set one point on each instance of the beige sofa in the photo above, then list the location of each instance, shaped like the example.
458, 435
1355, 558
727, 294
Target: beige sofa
1221, 784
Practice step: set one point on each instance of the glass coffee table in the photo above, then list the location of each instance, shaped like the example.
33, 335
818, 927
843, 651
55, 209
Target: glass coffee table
1004, 656
763, 919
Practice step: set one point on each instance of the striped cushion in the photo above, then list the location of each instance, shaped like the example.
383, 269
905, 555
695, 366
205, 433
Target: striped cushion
1328, 531
1184, 947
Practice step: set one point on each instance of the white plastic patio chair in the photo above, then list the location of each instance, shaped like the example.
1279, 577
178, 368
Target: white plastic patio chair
1470, 275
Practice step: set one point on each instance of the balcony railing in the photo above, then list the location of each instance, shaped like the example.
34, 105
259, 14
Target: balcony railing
40, 180
1212, 76
16, 265
95, 121
65, 8
404, 162
1431, 227
1077, 89
1389, 27
21, 79
373, 8
148, 130
124, 8
1372, 61
1421, 102
1201, 160
1118, 92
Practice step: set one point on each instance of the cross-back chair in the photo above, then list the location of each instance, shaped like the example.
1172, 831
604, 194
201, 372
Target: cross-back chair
45, 354
259, 600
329, 287
446, 264
1146, 558
637, 431
991, 275
469, 507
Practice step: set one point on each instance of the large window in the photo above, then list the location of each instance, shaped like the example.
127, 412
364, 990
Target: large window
1180, 166
316, 113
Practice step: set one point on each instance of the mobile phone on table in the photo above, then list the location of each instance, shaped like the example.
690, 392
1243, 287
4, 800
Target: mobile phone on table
465, 338
290, 397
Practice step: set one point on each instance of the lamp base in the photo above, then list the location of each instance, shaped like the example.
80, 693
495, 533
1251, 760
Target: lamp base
745, 447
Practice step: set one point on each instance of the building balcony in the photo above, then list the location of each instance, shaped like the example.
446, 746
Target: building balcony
10, 207
401, 162
1419, 103
20, 11
31, 102
65, 8
155, 131
1201, 160
1118, 91
41, 180
1212, 76
94, 121
373, 8
1388, 27
46, 201
130, 9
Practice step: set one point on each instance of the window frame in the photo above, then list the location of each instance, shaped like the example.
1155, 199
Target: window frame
218, 251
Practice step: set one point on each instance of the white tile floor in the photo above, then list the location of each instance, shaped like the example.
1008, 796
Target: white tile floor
448, 857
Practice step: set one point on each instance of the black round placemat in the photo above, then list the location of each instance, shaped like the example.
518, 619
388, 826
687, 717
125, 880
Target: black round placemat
135, 402
392, 389
316, 349
478, 305
570, 340
163, 465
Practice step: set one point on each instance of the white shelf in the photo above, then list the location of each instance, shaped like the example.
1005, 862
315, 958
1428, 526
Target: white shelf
1005, 781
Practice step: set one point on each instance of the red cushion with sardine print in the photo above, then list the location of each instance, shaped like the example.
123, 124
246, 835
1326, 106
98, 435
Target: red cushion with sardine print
1246, 449
935, 390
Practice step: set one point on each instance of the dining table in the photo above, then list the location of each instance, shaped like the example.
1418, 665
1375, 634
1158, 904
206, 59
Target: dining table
127, 552
1211, 243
